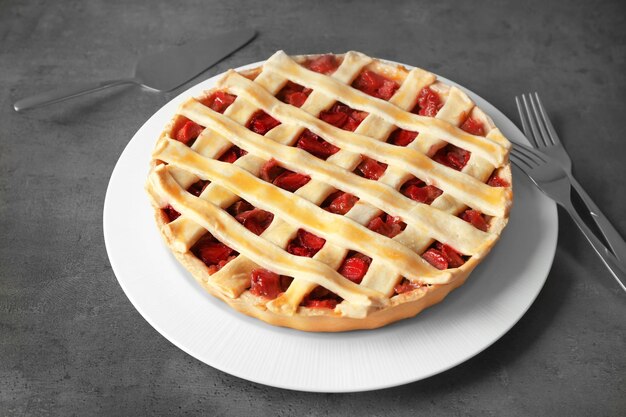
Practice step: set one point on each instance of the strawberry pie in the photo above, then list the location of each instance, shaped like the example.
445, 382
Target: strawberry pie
330, 192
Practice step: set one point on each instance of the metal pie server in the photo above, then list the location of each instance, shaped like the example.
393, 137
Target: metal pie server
163, 71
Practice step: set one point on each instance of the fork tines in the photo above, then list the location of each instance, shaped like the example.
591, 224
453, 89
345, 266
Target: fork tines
536, 120
527, 156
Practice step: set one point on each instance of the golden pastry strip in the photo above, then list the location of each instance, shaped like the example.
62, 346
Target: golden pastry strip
299, 211
456, 106
282, 64
184, 232
489, 200
224, 227
231, 182
377, 276
433, 222
234, 278
362, 213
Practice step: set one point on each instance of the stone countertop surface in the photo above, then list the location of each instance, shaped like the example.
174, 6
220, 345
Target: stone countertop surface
71, 343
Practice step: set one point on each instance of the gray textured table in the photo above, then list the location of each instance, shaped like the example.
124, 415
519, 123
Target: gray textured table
72, 344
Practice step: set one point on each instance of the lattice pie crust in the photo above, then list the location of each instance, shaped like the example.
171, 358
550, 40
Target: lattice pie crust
373, 302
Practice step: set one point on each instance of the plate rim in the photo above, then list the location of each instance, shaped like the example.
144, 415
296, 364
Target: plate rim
486, 106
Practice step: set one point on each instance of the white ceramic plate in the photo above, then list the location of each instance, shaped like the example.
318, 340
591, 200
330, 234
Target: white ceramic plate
495, 297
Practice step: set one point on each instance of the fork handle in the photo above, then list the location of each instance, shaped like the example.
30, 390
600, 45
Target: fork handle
610, 261
65, 93
612, 236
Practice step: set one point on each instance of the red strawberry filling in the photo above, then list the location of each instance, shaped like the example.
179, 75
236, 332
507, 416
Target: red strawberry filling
315, 145
255, 220
355, 266
375, 85
320, 297
417, 190
213, 253
325, 64
387, 225
452, 156
435, 258
453, 257
270, 170
371, 169
473, 126
496, 181
293, 94
305, 244
443, 256
401, 137
281, 177
476, 218
339, 202
232, 154
428, 103
291, 181
219, 101
406, 286
197, 187
267, 284
239, 207
186, 131
343, 117
170, 213
262, 123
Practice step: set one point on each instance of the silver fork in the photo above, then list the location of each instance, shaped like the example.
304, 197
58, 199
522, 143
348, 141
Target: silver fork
540, 132
552, 179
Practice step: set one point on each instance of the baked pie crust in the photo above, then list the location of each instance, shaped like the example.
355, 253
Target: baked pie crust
396, 274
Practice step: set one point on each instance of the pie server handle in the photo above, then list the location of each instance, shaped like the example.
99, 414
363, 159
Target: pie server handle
55, 96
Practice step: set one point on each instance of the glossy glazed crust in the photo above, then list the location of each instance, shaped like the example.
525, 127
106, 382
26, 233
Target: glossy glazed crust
326, 320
